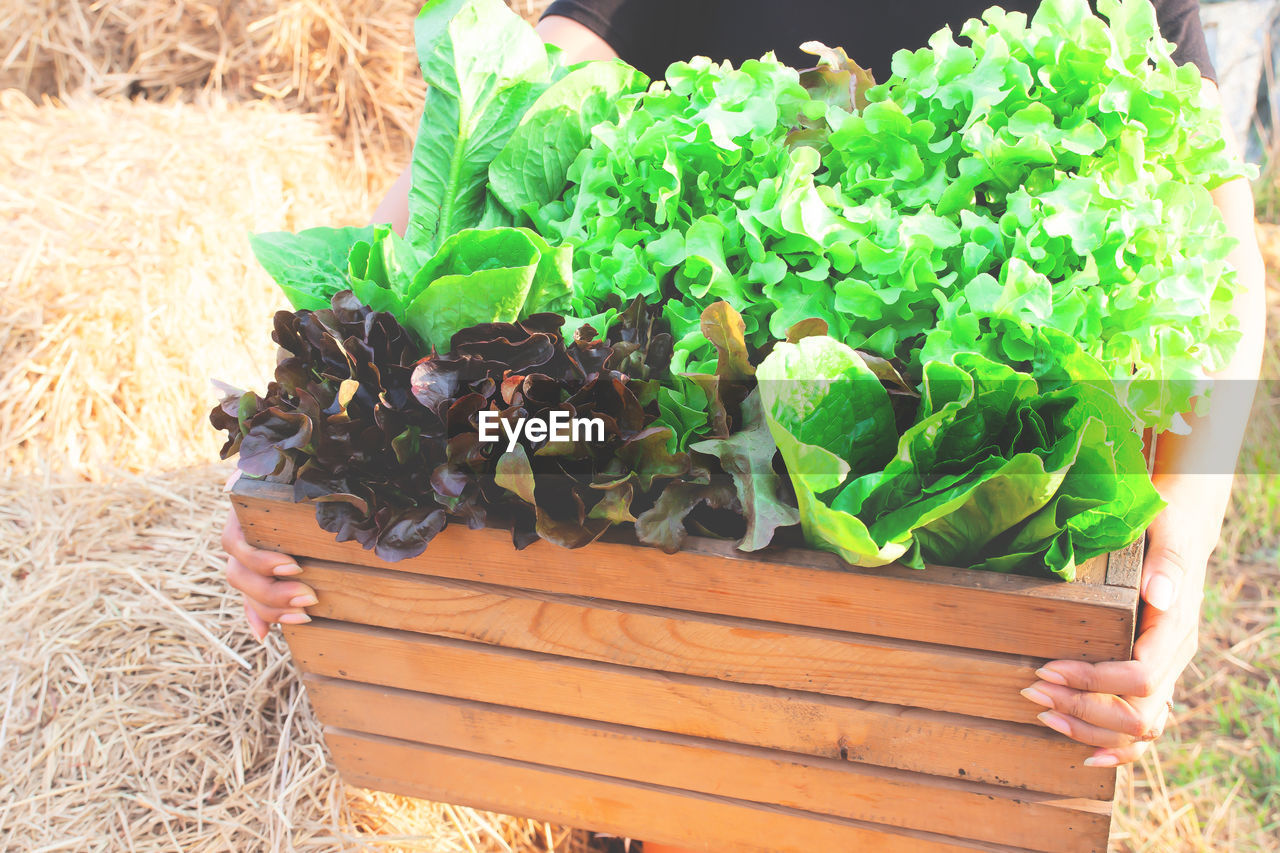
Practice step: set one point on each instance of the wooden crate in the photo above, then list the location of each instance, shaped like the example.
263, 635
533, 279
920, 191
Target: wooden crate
713, 699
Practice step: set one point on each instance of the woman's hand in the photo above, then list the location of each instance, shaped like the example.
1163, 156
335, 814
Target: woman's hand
263, 578
1122, 706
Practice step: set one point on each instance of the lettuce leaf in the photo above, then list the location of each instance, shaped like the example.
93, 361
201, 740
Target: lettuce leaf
532, 167
310, 266
747, 455
499, 275
381, 270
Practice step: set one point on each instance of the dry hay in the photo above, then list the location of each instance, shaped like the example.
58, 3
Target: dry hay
128, 718
130, 280
138, 713
352, 61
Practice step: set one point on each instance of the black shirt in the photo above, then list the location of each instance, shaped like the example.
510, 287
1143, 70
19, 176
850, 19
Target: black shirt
651, 34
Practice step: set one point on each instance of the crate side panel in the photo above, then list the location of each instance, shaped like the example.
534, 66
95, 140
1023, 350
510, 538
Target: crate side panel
980, 610
1020, 756
623, 808
826, 786
973, 683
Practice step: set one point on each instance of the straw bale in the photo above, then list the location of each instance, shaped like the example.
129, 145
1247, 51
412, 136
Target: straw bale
127, 282
351, 61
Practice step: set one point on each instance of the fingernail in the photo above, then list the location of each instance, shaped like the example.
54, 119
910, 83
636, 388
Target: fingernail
1100, 761
262, 637
1055, 721
1051, 677
284, 570
1038, 696
294, 618
304, 600
1160, 592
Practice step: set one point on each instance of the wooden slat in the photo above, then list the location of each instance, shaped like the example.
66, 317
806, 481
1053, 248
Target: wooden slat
610, 805
980, 684
1124, 568
826, 786
1020, 756
981, 610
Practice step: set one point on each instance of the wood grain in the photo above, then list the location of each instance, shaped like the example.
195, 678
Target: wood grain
825, 786
1124, 567
917, 740
973, 683
605, 804
980, 610
1093, 571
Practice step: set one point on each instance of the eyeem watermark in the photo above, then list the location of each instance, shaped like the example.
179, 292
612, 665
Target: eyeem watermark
559, 426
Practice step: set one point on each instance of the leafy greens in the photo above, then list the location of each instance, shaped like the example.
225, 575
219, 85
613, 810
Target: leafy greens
1053, 172
921, 319
994, 473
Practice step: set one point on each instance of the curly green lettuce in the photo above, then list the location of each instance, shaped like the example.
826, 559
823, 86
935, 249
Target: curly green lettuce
1050, 172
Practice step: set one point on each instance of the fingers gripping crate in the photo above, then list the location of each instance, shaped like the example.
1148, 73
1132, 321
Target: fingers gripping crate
781, 702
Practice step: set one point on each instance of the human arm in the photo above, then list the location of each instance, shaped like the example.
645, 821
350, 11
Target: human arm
1119, 706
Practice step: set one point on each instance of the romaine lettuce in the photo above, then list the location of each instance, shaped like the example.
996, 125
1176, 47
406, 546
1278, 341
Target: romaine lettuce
995, 472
